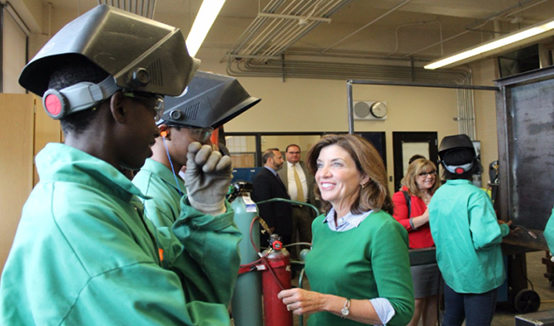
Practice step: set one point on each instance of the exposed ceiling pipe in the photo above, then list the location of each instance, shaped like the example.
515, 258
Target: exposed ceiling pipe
497, 14
523, 9
295, 28
255, 27
300, 20
342, 71
441, 41
283, 27
480, 23
368, 24
281, 24
404, 25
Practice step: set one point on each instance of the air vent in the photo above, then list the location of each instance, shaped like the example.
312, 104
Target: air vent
190, 113
155, 70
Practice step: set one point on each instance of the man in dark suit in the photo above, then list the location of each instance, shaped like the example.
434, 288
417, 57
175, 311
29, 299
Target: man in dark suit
300, 185
268, 185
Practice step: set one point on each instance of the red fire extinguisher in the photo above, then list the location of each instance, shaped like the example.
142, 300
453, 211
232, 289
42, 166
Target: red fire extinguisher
275, 279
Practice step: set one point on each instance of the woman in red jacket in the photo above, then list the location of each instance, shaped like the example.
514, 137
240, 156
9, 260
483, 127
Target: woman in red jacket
410, 209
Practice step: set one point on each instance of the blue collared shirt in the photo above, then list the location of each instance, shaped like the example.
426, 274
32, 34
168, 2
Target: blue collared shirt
382, 306
270, 169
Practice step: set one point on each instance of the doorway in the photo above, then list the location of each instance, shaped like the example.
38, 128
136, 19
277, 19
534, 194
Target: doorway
407, 144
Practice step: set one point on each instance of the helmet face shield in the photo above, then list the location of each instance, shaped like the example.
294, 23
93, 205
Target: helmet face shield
210, 101
139, 53
460, 145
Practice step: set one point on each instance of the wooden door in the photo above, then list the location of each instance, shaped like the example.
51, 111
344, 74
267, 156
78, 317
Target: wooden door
16, 163
24, 130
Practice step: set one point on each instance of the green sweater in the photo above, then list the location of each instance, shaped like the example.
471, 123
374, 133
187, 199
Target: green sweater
366, 262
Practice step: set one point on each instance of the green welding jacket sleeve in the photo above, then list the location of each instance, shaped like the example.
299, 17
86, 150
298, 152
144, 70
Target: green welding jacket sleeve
483, 224
549, 232
206, 256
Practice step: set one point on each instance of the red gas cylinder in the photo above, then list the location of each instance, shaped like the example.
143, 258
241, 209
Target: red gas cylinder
275, 312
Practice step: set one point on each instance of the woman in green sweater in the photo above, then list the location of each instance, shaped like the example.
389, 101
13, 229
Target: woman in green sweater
358, 268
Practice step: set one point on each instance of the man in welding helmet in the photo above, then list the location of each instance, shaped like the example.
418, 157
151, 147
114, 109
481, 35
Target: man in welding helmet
84, 254
188, 121
467, 236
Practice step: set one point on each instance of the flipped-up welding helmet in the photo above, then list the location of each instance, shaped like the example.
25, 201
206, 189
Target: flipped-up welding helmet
139, 54
210, 100
457, 143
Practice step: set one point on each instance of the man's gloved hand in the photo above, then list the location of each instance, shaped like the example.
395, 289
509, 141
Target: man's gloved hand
207, 178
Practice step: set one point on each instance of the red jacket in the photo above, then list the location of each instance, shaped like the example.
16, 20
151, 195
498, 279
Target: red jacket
420, 238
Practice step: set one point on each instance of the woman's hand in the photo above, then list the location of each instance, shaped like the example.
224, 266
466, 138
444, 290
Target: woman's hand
302, 302
421, 220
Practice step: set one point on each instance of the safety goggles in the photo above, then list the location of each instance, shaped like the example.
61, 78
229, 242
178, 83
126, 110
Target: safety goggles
150, 101
199, 134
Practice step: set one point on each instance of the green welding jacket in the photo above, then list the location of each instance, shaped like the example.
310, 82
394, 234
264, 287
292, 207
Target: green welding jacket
467, 236
84, 255
549, 232
155, 180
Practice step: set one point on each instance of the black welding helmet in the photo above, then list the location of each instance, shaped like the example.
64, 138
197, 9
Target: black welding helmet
457, 154
139, 54
210, 100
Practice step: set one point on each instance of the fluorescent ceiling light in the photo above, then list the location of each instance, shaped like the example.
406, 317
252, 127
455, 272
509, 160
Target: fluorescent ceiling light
501, 44
202, 24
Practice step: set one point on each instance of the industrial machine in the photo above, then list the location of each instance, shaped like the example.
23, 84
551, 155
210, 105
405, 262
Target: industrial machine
524, 105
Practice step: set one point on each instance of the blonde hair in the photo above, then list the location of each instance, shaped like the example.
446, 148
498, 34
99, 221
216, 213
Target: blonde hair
375, 193
414, 169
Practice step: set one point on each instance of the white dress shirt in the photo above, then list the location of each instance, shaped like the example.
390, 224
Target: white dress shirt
293, 192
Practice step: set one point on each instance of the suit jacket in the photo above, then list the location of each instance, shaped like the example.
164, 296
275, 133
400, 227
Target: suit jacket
276, 214
284, 175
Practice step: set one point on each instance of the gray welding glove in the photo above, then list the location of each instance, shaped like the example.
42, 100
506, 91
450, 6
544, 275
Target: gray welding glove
207, 178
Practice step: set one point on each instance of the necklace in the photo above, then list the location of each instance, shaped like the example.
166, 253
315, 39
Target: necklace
426, 198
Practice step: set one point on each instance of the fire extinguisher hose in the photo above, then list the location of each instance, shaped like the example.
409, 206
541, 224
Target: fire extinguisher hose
244, 268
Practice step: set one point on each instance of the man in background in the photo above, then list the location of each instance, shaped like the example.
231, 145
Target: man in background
299, 183
268, 185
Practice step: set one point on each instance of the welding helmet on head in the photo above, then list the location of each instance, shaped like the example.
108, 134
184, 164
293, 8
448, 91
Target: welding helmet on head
139, 54
450, 144
210, 100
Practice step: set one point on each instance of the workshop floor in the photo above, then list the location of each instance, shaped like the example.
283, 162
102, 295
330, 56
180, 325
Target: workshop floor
535, 272
504, 315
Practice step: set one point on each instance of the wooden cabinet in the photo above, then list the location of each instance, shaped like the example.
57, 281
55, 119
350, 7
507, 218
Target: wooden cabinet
24, 130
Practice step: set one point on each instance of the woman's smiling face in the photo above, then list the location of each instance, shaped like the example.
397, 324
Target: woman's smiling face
338, 178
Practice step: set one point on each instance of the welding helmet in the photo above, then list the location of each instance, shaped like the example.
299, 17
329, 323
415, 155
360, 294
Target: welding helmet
210, 100
457, 143
139, 54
